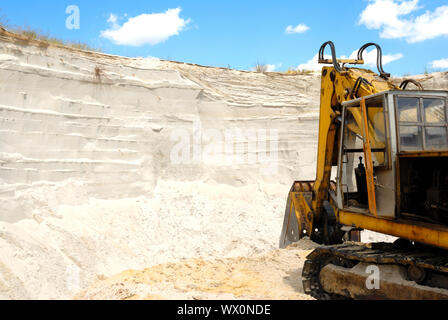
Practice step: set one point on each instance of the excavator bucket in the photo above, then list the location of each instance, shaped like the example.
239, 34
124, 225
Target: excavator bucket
298, 220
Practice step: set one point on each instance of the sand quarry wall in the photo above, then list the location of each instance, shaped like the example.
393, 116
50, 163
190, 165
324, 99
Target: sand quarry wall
110, 163
112, 123
89, 185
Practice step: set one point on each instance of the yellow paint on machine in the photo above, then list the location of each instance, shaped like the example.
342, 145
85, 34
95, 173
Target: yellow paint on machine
300, 207
368, 159
416, 231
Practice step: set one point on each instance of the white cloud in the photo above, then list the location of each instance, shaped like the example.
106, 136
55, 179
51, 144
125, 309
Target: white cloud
393, 19
368, 56
300, 28
144, 29
269, 67
272, 67
312, 64
440, 64
113, 20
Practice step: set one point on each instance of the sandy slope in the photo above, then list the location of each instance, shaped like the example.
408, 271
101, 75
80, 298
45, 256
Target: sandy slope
88, 187
271, 276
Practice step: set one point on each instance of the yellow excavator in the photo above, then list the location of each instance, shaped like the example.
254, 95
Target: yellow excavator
382, 165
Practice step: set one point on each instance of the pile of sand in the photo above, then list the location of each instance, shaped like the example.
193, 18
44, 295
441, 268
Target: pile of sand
65, 248
272, 276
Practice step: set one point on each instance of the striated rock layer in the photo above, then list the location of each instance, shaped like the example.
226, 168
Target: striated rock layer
110, 163
111, 123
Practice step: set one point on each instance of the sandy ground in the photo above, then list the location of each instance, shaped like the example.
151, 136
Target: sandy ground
66, 248
275, 275
272, 276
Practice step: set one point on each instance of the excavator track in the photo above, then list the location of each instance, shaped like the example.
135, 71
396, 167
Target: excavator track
428, 267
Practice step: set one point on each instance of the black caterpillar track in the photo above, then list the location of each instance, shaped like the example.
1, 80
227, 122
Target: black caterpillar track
348, 255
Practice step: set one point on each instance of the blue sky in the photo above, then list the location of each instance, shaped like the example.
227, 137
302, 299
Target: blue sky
413, 33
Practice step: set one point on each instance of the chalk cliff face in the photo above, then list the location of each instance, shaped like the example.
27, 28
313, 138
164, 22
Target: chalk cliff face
110, 163
117, 125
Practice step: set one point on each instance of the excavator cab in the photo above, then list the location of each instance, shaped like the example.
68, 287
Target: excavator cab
408, 142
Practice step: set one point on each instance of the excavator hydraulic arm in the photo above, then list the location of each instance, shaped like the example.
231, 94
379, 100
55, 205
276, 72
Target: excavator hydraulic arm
401, 139
308, 212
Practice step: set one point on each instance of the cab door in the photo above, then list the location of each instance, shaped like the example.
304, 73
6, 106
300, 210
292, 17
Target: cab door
366, 180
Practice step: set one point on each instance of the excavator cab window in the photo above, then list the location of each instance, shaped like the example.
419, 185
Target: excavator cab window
353, 173
422, 123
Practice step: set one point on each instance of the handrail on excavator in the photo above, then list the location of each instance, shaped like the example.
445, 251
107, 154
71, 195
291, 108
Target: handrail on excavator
337, 62
379, 58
